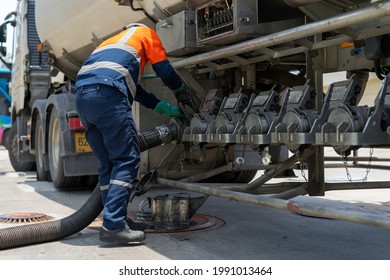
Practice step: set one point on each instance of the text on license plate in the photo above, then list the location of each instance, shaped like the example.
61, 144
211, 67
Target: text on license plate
81, 143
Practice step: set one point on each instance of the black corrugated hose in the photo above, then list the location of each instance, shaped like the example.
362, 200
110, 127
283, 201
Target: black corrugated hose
59, 229
53, 230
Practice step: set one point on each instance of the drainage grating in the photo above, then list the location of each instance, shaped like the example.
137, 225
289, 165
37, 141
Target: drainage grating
23, 217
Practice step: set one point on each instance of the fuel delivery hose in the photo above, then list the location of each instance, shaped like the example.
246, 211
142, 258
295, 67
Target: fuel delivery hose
55, 230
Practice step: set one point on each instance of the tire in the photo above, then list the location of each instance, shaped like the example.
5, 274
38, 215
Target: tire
56, 166
245, 176
89, 181
17, 161
6, 139
39, 151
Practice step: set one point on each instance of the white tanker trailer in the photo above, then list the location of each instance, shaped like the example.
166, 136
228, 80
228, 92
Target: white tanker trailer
254, 66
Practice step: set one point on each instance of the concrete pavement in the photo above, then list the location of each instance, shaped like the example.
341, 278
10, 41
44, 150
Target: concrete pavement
249, 231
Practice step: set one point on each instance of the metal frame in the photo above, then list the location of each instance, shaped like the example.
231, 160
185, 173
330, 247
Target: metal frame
310, 209
296, 34
309, 39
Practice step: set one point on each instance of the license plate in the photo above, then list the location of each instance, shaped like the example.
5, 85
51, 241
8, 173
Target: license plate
81, 143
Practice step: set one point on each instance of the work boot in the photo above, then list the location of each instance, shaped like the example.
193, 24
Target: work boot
123, 235
136, 226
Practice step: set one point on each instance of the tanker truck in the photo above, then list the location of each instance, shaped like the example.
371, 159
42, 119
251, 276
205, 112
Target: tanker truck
254, 66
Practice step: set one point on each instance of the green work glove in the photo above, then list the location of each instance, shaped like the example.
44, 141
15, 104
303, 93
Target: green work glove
168, 110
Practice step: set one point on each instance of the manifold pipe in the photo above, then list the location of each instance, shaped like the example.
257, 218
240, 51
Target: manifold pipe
303, 208
59, 229
375, 11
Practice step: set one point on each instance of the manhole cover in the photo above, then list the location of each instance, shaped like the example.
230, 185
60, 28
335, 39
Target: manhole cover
198, 222
23, 217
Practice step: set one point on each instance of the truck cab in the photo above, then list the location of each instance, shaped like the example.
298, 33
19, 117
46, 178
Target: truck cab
43, 131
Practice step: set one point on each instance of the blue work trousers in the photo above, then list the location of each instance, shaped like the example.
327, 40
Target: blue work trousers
106, 113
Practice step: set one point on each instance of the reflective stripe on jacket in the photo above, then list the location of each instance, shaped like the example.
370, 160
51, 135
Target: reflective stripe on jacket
120, 60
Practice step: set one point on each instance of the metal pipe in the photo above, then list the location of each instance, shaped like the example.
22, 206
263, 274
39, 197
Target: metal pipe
307, 208
271, 173
356, 186
278, 169
342, 165
273, 189
302, 190
283, 53
270, 188
207, 174
192, 4
347, 19
373, 166
310, 209
231, 195
184, 174
357, 159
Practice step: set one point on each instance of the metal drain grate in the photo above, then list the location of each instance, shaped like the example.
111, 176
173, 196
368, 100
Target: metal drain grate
23, 217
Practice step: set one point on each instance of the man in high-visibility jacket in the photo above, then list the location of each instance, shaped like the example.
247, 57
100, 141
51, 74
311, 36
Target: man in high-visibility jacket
106, 86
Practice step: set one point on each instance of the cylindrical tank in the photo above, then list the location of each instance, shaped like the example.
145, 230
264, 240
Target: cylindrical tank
70, 30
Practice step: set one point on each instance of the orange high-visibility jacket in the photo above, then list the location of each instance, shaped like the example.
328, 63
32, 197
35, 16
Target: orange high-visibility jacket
120, 61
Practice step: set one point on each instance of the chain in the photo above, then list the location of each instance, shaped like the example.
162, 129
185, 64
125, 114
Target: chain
368, 169
300, 162
345, 161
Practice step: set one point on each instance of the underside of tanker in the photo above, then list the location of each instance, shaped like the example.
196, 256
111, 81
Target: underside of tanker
257, 72
256, 69
262, 99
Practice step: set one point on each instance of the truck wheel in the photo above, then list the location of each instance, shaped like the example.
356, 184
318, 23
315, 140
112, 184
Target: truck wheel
6, 138
55, 159
89, 181
245, 176
39, 151
17, 161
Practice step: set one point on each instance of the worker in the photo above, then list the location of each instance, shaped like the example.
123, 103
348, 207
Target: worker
106, 86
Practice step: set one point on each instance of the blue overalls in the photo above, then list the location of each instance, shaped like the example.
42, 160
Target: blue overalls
106, 86
111, 133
